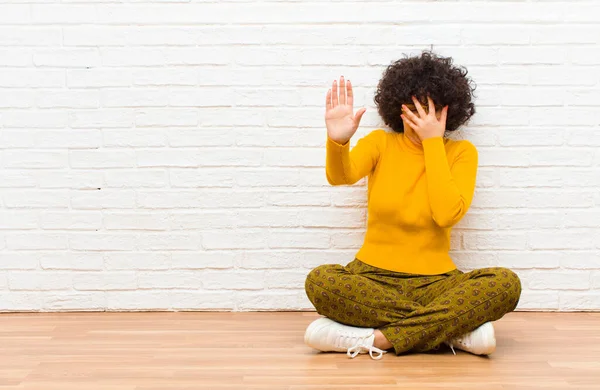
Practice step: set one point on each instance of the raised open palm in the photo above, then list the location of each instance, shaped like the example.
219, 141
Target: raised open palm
340, 119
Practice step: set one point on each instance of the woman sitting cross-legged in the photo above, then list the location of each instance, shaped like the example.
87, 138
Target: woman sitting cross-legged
403, 291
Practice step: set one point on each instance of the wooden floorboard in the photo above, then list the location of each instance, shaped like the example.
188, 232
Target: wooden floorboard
164, 351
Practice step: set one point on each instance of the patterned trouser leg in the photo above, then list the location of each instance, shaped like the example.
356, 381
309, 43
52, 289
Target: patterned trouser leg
414, 312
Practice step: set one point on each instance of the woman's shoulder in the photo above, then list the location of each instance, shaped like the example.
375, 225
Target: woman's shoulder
379, 134
462, 148
378, 137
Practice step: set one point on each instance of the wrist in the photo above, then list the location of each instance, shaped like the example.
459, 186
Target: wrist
340, 142
433, 143
430, 136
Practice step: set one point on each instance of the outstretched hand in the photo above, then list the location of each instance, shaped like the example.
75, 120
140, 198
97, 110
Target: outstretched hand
339, 118
426, 124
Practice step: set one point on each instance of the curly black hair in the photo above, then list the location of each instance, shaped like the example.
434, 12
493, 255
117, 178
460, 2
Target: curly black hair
427, 74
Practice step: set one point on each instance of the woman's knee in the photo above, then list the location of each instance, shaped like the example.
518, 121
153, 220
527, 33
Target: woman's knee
321, 278
517, 288
511, 283
507, 281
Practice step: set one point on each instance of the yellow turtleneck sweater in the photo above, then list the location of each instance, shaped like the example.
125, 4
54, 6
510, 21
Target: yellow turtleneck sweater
415, 195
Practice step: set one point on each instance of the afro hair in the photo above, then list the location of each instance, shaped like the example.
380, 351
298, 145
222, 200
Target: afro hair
427, 74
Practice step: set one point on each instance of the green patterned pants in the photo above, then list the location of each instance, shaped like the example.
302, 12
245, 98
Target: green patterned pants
415, 312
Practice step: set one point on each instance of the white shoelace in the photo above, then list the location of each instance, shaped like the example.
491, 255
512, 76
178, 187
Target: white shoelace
460, 340
361, 345
452, 348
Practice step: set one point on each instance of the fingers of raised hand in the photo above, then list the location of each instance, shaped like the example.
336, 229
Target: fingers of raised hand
334, 93
328, 105
342, 90
350, 93
342, 95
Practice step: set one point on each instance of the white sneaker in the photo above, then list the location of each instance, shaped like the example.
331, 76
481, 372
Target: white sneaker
481, 341
329, 336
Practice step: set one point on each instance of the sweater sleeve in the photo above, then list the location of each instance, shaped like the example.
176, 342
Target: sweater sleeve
450, 187
345, 166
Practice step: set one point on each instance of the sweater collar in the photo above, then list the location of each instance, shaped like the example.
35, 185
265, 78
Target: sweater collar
408, 145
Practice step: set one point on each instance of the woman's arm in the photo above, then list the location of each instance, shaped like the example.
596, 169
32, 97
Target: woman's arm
450, 187
345, 166
342, 165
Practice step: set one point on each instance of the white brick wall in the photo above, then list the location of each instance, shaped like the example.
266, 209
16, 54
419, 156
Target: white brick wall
169, 155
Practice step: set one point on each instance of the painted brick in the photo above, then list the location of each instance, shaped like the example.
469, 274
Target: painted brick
170, 155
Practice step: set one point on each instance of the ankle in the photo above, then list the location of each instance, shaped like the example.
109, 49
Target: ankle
381, 341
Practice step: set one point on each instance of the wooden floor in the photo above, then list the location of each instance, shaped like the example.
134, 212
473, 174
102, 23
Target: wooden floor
162, 351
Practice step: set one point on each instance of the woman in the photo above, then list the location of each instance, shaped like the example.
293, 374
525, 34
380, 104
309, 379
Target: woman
403, 291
